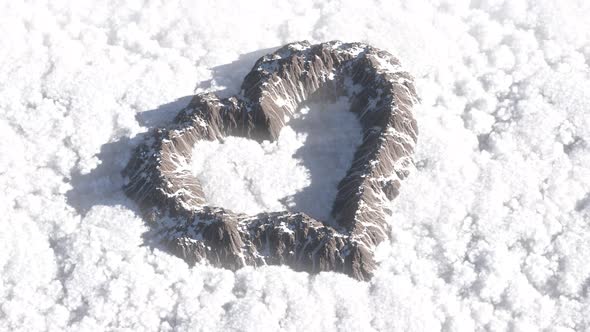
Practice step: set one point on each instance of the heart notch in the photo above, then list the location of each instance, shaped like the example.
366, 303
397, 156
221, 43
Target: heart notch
381, 95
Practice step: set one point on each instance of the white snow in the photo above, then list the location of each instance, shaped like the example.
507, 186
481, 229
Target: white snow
300, 171
490, 232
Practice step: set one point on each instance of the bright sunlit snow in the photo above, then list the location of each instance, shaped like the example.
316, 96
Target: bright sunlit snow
298, 172
490, 232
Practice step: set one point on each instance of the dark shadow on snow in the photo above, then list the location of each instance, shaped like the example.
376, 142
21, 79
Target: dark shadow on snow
230, 76
102, 186
163, 115
318, 197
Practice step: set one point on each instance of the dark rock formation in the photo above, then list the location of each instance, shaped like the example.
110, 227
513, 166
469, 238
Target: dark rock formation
382, 96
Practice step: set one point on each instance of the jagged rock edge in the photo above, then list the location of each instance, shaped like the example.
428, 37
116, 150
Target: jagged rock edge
158, 175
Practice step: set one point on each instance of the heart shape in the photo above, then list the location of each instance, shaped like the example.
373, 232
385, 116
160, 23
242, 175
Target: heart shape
381, 94
299, 171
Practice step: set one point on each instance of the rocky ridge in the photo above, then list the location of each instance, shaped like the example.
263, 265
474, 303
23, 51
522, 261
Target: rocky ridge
382, 96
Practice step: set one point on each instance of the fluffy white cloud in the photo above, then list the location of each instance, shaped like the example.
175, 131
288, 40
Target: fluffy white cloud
490, 232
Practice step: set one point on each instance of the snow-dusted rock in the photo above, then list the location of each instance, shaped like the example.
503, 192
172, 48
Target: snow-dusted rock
381, 95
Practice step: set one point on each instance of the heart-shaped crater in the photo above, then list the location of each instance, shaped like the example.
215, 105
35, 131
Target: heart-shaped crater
298, 172
328, 179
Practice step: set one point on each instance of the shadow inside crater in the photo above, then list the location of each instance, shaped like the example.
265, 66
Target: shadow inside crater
333, 134
103, 185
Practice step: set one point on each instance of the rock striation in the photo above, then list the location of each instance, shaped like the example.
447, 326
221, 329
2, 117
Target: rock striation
381, 94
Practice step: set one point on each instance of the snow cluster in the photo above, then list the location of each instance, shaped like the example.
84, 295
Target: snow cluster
241, 175
490, 232
298, 172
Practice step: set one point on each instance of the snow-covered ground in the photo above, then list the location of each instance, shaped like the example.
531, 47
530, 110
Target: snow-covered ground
491, 231
299, 172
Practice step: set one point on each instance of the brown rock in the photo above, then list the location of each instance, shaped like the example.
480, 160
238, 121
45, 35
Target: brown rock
382, 96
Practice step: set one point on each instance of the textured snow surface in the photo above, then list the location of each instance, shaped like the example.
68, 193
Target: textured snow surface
298, 172
490, 232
